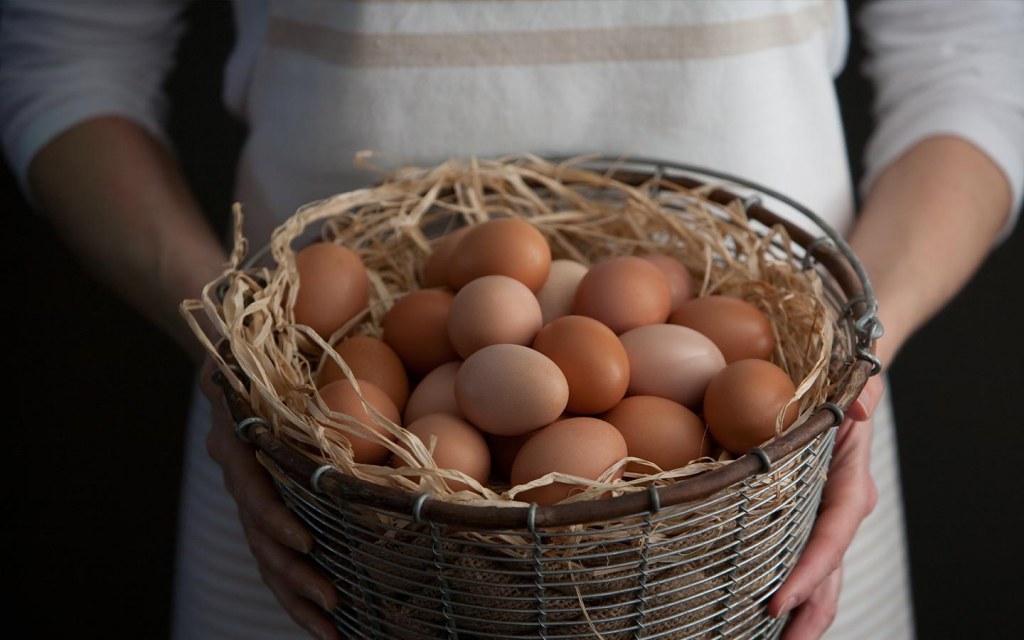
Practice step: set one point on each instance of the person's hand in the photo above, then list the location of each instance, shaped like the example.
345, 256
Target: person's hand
811, 592
276, 537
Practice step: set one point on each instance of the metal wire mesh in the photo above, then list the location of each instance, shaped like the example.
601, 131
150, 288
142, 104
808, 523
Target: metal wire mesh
695, 570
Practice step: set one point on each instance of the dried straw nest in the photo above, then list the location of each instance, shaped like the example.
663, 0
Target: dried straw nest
585, 215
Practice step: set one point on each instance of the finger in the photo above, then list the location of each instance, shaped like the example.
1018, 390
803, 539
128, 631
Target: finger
849, 496
861, 409
304, 593
865, 404
207, 385
290, 570
810, 620
306, 614
249, 484
821, 557
844, 430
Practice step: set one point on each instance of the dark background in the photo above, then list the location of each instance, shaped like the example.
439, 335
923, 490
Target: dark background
99, 398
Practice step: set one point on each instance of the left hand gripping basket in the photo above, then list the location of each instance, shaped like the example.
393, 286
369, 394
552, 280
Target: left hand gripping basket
692, 554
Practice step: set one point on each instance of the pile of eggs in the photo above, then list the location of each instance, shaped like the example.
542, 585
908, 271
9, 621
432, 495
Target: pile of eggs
516, 365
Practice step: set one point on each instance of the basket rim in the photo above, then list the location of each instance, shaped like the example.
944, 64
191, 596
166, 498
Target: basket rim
830, 250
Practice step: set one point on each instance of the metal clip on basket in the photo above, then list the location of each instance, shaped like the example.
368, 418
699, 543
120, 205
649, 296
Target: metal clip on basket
695, 559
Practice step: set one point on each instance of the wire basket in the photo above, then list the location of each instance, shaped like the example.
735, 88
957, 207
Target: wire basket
698, 557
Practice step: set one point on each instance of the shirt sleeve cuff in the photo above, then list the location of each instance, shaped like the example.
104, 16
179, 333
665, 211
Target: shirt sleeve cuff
47, 125
1000, 141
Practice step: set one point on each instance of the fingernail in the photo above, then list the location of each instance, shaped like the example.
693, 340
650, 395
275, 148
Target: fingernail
861, 407
317, 596
320, 632
295, 540
786, 608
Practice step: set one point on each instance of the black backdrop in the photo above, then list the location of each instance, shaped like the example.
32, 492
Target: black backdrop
94, 444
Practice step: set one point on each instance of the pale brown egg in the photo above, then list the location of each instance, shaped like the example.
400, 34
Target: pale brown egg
416, 327
333, 287
556, 296
340, 396
592, 358
740, 329
459, 446
492, 310
369, 359
435, 267
435, 393
501, 246
508, 389
680, 282
670, 361
660, 431
583, 447
624, 293
744, 399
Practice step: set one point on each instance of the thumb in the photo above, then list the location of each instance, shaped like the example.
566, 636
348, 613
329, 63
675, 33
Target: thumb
865, 404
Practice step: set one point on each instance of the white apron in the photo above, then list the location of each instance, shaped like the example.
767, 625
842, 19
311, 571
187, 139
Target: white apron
703, 83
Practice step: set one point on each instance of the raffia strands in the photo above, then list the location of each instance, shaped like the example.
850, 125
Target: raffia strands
584, 214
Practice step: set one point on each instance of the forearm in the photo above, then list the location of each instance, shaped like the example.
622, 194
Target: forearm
120, 202
928, 222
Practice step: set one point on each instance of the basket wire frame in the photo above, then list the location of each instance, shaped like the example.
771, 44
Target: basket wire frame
659, 567
685, 571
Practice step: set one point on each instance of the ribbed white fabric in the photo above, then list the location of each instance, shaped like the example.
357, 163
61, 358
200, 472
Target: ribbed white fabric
703, 82
875, 601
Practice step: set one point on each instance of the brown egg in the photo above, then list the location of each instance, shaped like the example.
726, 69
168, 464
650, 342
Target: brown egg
583, 447
435, 393
624, 293
743, 401
435, 267
416, 327
592, 358
333, 287
492, 310
459, 446
680, 282
556, 296
740, 329
369, 359
508, 389
504, 450
502, 246
660, 431
340, 396
670, 361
